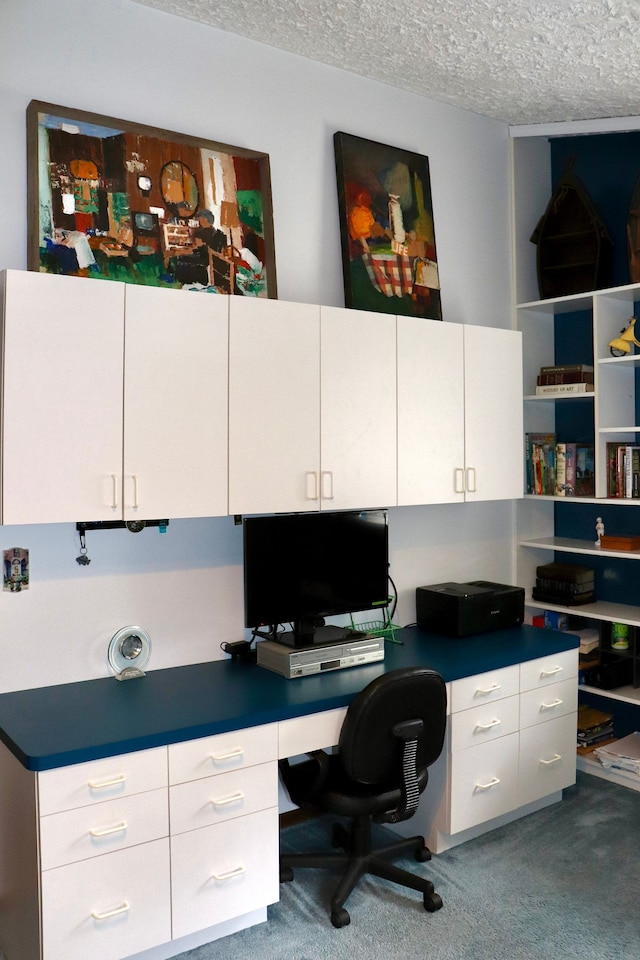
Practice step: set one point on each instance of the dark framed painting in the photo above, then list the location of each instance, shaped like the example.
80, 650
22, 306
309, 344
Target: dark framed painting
117, 200
387, 232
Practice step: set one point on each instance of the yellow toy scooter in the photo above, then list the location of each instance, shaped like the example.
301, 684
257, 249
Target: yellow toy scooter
622, 344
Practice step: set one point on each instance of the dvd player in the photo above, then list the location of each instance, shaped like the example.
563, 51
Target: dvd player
309, 660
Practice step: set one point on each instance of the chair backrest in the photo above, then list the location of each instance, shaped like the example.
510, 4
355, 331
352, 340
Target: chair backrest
369, 751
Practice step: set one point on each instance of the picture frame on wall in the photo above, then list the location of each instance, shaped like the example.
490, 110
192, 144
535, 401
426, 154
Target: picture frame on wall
112, 199
387, 232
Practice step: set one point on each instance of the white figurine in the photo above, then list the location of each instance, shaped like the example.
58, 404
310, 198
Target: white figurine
599, 531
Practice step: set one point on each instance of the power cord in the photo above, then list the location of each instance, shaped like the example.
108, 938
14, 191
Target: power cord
241, 651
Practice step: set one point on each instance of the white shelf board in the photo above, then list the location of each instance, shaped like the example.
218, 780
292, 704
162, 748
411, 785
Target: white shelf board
602, 501
598, 610
626, 694
631, 358
568, 545
559, 396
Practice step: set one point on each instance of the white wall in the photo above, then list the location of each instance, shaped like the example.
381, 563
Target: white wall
119, 59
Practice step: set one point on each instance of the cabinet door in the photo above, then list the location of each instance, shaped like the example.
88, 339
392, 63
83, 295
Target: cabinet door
175, 427
62, 398
274, 406
430, 411
358, 409
493, 413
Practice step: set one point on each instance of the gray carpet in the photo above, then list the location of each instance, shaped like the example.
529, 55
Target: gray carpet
562, 883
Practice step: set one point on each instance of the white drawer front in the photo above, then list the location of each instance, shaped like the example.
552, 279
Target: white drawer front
102, 828
483, 782
546, 703
470, 728
547, 758
484, 688
108, 907
98, 780
314, 732
226, 751
551, 669
223, 871
199, 803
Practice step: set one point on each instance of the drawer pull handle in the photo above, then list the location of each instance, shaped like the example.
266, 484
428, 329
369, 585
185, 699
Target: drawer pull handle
487, 786
231, 755
488, 726
551, 706
550, 673
553, 760
103, 784
485, 691
223, 801
229, 875
106, 831
111, 913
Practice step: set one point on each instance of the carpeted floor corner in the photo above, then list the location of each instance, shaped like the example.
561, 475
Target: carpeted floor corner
561, 884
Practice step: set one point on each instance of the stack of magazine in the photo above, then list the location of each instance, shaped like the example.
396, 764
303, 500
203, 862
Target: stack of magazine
622, 754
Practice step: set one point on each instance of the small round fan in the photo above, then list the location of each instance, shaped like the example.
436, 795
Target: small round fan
129, 652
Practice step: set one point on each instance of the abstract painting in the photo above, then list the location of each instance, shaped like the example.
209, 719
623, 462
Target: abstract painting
386, 227
116, 200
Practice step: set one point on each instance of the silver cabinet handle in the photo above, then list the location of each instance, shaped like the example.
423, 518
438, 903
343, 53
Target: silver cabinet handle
111, 913
488, 726
471, 480
114, 491
550, 673
485, 691
236, 872
103, 784
458, 480
223, 801
107, 831
487, 786
327, 485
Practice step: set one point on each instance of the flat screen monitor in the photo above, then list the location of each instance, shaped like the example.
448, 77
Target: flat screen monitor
300, 568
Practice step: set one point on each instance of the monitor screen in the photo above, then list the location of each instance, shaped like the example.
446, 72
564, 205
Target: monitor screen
300, 568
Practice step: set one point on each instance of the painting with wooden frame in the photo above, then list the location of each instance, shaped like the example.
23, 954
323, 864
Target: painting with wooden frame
118, 200
386, 226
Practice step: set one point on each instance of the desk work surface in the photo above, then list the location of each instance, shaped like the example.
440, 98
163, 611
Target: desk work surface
50, 727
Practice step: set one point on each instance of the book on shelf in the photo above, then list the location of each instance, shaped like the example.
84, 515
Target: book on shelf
567, 368
591, 720
585, 481
563, 389
623, 470
559, 378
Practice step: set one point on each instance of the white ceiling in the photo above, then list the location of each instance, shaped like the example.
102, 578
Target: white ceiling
521, 61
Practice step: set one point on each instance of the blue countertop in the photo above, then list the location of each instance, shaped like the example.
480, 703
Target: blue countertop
49, 727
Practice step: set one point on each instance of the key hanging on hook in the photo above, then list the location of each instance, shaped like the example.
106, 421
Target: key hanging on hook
83, 559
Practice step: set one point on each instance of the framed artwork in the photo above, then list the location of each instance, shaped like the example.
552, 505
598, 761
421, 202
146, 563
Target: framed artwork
118, 200
386, 227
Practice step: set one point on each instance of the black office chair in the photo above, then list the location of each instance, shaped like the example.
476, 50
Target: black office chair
392, 732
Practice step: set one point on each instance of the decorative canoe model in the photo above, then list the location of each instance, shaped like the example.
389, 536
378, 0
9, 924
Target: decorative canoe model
574, 246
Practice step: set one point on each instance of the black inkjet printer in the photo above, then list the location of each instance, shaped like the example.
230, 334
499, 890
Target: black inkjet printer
463, 609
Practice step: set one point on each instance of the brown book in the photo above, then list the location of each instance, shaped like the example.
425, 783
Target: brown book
570, 376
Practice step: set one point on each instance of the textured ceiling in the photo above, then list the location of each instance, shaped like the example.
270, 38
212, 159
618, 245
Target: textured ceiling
521, 61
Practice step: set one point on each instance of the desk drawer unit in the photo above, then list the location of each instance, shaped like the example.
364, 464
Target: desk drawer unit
81, 784
547, 758
208, 756
223, 871
200, 803
103, 828
484, 688
471, 728
484, 782
107, 907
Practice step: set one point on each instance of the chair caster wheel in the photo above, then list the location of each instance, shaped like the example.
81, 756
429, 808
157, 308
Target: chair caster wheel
432, 902
286, 874
423, 854
340, 918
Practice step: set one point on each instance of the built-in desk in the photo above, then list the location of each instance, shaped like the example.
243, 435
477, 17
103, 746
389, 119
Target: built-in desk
152, 780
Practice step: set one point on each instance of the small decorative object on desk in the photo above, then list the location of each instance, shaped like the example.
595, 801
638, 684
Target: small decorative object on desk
599, 531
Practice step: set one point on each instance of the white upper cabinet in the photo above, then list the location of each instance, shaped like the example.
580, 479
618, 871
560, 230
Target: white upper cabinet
358, 409
459, 418
81, 384
493, 421
62, 347
312, 394
430, 411
175, 404
274, 415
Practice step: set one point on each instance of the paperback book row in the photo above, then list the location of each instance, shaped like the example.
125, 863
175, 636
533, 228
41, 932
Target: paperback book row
558, 469
576, 378
623, 470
